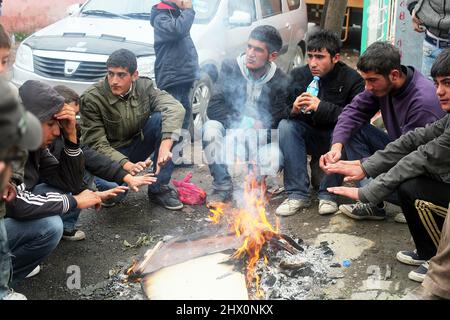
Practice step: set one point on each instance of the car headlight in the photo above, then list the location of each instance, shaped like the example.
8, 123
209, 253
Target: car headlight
145, 66
24, 58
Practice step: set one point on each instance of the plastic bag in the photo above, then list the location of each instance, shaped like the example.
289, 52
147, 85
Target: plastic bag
189, 193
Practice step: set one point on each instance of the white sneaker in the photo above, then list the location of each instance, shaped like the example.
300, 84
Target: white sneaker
14, 296
34, 272
291, 206
75, 235
400, 218
327, 207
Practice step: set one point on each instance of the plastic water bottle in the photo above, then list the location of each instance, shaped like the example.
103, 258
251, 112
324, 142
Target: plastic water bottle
313, 89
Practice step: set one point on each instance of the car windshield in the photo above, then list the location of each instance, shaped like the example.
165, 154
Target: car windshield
140, 9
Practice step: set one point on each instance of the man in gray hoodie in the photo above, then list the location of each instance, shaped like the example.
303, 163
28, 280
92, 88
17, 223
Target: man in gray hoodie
433, 18
249, 95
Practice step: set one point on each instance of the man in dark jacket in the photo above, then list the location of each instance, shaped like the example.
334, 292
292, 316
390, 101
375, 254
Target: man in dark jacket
18, 129
49, 201
176, 64
312, 119
249, 94
407, 100
417, 165
97, 164
49, 184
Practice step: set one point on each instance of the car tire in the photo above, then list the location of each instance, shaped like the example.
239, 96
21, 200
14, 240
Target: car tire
200, 95
298, 60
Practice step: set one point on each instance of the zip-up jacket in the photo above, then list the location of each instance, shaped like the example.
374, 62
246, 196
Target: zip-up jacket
336, 90
424, 151
109, 122
227, 104
42, 166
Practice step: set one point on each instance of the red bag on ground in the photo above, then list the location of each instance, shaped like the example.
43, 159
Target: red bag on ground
189, 193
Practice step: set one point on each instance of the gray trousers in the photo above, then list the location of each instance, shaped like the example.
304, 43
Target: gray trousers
437, 280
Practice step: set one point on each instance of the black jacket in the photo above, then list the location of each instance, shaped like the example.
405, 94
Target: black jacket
176, 57
229, 97
96, 163
65, 174
336, 90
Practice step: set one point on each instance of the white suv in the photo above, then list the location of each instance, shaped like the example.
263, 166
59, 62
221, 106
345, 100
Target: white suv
74, 50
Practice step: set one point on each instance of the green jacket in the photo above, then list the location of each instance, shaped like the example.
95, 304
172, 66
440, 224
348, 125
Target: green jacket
109, 122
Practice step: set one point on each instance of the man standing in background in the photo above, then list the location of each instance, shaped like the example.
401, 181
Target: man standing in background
176, 64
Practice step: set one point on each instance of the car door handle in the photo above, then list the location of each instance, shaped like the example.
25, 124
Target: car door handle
288, 25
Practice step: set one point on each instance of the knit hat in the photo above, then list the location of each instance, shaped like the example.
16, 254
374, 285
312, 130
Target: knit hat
41, 99
17, 126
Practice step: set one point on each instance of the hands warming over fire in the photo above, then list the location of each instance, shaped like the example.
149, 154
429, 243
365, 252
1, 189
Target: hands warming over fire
348, 192
164, 154
352, 170
134, 182
332, 156
88, 198
135, 168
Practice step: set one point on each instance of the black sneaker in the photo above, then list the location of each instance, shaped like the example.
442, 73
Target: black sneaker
218, 196
420, 273
410, 258
363, 211
167, 197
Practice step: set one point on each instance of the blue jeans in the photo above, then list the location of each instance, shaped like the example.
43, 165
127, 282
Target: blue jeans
31, 242
364, 143
430, 53
181, 93
140, 149
5, 261
69, 218
217, 152
213, 138
297, 140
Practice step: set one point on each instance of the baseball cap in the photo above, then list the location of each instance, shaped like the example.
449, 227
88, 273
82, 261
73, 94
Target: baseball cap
17, 126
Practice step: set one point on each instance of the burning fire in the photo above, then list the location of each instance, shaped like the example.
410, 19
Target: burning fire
250, 223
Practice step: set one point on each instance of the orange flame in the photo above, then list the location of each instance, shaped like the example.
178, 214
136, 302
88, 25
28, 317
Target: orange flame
251, 223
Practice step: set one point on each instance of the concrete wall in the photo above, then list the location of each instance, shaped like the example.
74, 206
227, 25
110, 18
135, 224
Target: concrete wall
30, 15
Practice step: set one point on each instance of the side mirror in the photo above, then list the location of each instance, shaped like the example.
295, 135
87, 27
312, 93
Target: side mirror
240, 18
73, 9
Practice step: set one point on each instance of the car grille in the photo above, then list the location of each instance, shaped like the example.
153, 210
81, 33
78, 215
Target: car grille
54, 68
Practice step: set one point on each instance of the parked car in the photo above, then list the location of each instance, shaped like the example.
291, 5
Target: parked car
74, 50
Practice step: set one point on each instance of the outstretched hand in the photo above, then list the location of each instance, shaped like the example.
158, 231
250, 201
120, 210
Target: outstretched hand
348, 192
352, 170
134, 182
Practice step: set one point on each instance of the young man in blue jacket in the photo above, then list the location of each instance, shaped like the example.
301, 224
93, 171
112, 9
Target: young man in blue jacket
176, 64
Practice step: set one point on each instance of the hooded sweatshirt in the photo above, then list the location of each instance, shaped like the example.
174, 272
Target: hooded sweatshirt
41, 165
236, 94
